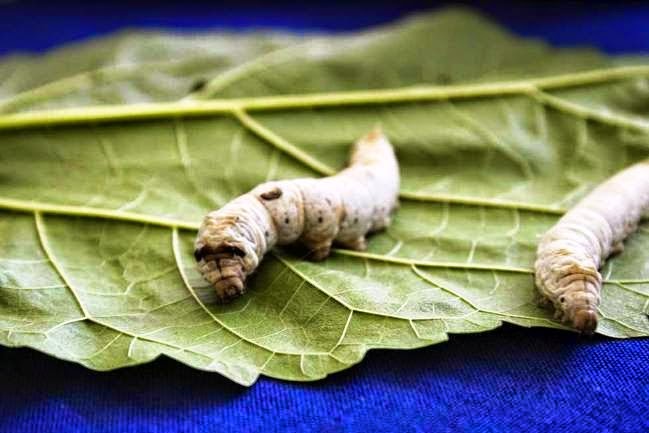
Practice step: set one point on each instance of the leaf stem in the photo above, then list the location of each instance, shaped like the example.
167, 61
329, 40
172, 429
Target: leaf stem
188, 108
282, 144
17, 205
47, 249
424, 263
486, 202
588, 113
83, 211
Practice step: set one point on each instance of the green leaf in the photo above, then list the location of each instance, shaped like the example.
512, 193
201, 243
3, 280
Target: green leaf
100, 204
454, 46
132, 66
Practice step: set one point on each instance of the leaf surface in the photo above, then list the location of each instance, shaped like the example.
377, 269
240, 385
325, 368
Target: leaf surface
100, 204
129, 67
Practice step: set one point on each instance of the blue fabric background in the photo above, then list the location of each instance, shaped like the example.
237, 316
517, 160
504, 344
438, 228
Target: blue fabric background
511, 379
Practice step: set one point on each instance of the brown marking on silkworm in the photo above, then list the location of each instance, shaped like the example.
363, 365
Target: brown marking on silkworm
272, 194
570, 253
233, 240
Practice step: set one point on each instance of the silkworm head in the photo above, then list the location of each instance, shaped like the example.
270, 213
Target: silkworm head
224, 267
580, 308
585, 321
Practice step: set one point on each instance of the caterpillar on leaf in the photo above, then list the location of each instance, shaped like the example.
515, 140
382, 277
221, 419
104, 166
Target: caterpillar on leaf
570, 253
339, 209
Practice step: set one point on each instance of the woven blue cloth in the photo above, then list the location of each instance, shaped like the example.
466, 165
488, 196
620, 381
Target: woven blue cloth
511, 379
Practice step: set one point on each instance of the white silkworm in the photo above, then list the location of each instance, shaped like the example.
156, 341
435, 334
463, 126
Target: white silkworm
571, 253
316, 212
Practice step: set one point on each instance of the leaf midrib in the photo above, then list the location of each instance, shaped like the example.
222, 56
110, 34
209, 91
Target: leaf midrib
530, 87
237, 108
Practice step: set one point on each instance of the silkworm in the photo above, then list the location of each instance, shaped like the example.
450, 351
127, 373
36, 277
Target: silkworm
571, 253
342, 208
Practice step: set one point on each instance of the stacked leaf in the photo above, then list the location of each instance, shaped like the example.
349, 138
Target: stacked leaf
495, 136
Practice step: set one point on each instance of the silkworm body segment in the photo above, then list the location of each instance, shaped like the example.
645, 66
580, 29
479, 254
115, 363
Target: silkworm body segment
570, 253
315, 212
